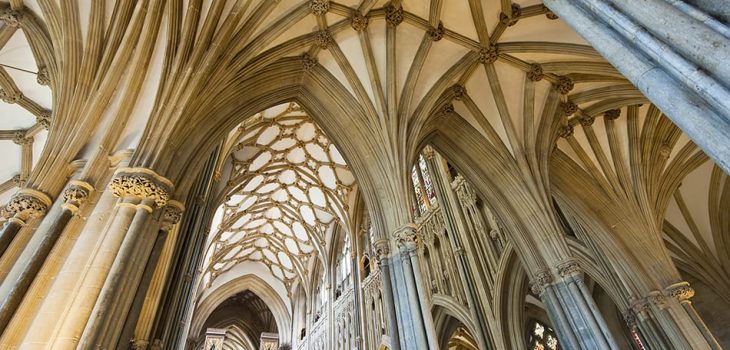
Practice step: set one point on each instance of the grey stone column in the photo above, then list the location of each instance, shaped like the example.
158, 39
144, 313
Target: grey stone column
74, 195
382, 249
25, 205
687, 80
141, 192
407, 239
682, 293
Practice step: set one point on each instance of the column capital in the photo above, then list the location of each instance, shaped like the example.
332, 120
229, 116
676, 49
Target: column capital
76, 193
382, 248
407, 236
26, 204
680, 292
141, 183
172, 214
568, 268
542, 279
657, 298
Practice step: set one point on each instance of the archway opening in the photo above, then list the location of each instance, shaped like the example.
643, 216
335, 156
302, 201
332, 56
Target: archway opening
241, 322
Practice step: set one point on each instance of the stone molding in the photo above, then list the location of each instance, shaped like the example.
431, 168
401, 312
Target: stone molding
142, 184
26, 204
75, 194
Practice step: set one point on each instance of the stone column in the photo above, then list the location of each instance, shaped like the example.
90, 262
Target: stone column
407, 239
25, 205
382, 249
74, 195
576, 318
682, 293
141, 192
672, 52
170, 217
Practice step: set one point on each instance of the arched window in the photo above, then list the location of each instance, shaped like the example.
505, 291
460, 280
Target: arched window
541, 337
423, 186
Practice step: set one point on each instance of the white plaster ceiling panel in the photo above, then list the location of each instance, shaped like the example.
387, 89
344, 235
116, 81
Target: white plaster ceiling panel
287, 188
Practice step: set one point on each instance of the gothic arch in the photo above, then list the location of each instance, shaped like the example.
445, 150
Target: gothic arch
255, 285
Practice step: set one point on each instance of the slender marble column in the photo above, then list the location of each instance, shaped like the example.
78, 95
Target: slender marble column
382, 249
76, 193
141, 191
25, 205
407, 239
696, 101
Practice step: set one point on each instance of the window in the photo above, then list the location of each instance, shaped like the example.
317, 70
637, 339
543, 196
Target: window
423, 186
542, 337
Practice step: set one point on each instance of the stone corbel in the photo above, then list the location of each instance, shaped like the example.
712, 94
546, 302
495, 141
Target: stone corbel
25, 205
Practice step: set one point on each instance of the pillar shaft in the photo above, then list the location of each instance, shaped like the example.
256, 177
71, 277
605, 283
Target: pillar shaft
382, 249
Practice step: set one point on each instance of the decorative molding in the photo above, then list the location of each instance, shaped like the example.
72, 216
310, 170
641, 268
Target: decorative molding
586, 120
142, 184
565, 131
542, 279
447, 110
394, 15
359, 22
488, 54
10, 96
681, 292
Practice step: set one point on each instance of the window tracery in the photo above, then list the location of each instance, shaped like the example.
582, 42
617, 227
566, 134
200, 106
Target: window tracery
542, 337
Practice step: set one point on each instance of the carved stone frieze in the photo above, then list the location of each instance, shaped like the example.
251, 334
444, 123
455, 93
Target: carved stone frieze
436, 33
141, 185
359, 22
319, 7
394, 15
541, 280
535, 73
26, 204
488, 54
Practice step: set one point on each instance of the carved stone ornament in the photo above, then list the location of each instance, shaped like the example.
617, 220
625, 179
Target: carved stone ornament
640, 306
381, 248
511, 20
406, 236
535, 73
541, 280
565, 131
319, 7
172, 215
488, 54
569, 108
586, 120
428, 152
629, 318
20, 139
436, 33
359, 22
681, 292
564, 85
549, 13
612, 114
308, 62
665, 150
10, 96
42, 77
141, 185
26, 204
458, 91
568, 268
394, 15
323, 39
11, 17
447, 110
44, 119
75, 194
658, 299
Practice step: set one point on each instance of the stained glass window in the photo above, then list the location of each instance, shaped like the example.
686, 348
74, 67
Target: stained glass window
430, 191
542, 337
417, 189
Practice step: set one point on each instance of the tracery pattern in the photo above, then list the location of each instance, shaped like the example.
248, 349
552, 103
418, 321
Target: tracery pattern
288, 186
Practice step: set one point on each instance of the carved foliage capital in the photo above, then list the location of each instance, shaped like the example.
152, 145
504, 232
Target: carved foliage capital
12, 18
542, 279
406, 236
76, 193
681, 291
26, 204
172, 215
141, 185
382, 248
568, 268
